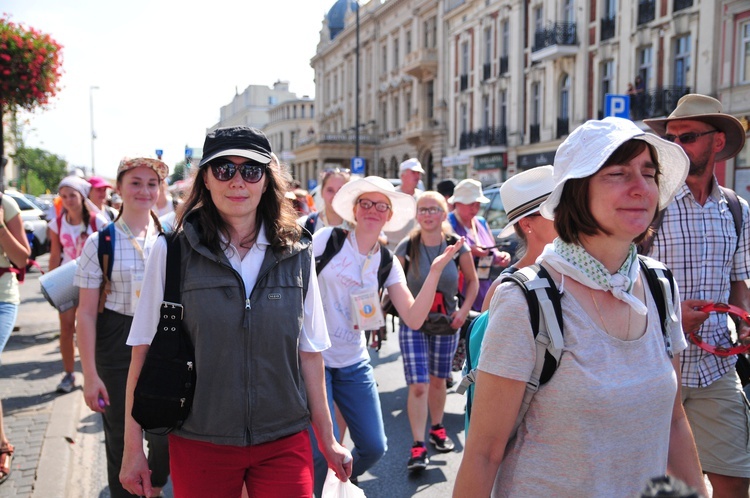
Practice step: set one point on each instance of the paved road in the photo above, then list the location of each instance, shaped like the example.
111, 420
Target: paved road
59, 442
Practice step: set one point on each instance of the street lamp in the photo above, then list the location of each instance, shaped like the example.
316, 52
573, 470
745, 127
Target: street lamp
93, 133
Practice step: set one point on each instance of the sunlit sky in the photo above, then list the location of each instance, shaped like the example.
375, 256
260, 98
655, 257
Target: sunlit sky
163, 69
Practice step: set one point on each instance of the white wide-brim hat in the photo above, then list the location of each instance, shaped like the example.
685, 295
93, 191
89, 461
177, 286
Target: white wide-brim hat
403, 206
468, 192
523, 193
586, 150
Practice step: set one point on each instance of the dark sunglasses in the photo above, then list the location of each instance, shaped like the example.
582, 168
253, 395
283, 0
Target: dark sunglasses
687, 138
250, 171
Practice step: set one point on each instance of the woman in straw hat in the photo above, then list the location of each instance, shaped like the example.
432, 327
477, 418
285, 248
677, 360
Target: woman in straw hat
466, 198
349, 288
67, 234
522, 194
610, 418
427, 358
105, 357
254, 316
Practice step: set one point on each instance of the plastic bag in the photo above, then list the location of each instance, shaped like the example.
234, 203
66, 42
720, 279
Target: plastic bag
334, 488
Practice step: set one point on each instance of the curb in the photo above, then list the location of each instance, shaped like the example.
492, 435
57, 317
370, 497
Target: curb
57, 452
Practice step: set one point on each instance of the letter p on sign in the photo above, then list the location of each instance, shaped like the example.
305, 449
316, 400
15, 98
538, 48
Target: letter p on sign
617, 106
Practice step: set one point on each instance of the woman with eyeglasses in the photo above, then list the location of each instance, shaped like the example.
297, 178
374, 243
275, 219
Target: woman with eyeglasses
331, 182
349, 288
254, 315
428, 358
103, 331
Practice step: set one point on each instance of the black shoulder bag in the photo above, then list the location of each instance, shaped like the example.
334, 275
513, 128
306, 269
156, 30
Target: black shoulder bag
164, 392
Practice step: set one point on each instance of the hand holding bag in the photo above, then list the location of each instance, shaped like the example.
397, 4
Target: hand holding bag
164, 392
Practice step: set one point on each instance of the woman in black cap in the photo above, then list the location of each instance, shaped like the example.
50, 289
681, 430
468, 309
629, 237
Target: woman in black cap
254, 314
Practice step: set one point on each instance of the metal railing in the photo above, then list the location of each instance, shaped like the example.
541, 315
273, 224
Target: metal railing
558, 33
492, 135
681, 4
658, 102
646, 11
608, 28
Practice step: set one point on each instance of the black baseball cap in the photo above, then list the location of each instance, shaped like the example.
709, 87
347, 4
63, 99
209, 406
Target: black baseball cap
240, 141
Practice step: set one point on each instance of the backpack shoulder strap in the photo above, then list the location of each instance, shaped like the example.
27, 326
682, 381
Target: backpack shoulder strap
735, 208
306, 262
386, 263
311, 220
172, 287
407, 257
645, 245
106, 255
661, 284
333, 246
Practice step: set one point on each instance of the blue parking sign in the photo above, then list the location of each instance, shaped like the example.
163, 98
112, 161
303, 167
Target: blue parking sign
358, 165
617, 105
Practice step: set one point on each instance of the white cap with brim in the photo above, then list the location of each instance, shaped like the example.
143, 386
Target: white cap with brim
586, 150
403, 206
523, 193
468, 192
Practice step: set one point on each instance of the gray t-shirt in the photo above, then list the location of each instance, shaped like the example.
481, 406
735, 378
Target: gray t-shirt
601, 425
416, 274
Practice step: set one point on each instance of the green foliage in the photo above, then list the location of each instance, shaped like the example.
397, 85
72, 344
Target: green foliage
40, 170
177, 172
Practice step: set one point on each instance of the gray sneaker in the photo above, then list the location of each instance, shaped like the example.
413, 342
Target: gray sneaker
67, 384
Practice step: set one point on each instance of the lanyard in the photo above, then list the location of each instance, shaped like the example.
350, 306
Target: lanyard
370, 254
132, 238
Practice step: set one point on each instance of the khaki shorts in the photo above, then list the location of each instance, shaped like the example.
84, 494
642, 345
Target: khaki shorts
720, 421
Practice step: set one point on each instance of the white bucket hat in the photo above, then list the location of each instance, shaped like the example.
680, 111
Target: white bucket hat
468, 192
586, 150
523, 193
403, 206
412, 164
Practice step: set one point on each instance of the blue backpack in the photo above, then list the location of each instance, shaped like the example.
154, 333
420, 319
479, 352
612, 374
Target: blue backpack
547, 326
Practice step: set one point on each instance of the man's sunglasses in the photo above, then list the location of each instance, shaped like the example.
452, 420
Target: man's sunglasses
687, 138
250, 171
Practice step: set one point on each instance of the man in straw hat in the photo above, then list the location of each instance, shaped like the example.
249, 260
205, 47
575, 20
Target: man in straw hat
698, 241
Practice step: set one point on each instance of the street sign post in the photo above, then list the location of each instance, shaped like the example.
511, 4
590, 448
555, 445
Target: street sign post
358, 165
159, 153
617, 105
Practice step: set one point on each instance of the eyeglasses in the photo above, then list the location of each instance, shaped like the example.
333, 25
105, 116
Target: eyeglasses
380, 207
687, 138
250, 171
429, 210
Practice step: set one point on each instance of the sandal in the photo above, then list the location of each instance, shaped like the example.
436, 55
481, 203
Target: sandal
6, 458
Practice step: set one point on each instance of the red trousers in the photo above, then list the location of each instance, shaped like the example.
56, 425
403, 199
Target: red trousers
279, 468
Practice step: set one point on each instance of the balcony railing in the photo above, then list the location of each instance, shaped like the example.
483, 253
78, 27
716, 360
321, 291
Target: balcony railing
608, 28
559, 33
658, 102
681, 4
533, 133
503, 64
563, 125
486, 136
464, 82
646, 11
486, 71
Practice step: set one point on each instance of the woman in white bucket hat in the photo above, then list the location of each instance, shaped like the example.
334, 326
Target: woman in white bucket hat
611, 416
349, 290
467, 198
522, 195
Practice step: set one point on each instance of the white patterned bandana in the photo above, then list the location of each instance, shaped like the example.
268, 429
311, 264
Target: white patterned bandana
573, 260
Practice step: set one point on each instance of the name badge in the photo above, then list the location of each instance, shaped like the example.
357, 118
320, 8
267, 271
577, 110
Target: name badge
366, 311
136, 283
484, 265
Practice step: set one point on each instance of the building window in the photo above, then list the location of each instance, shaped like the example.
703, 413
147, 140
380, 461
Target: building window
384, 51
608, 75
565, 96
536, 103
569, 12
485, 111
465, 58
745, 53
503, 108
396, 109
645, 65
538, 19
430, 33
408, 42
395, 54
464, 119
488, 45
682, 61
408, 106
430, 99
504, 46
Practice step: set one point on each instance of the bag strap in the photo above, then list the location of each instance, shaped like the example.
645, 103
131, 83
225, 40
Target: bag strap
172, 292
386, 263
333, 246
106, 255
661, 284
